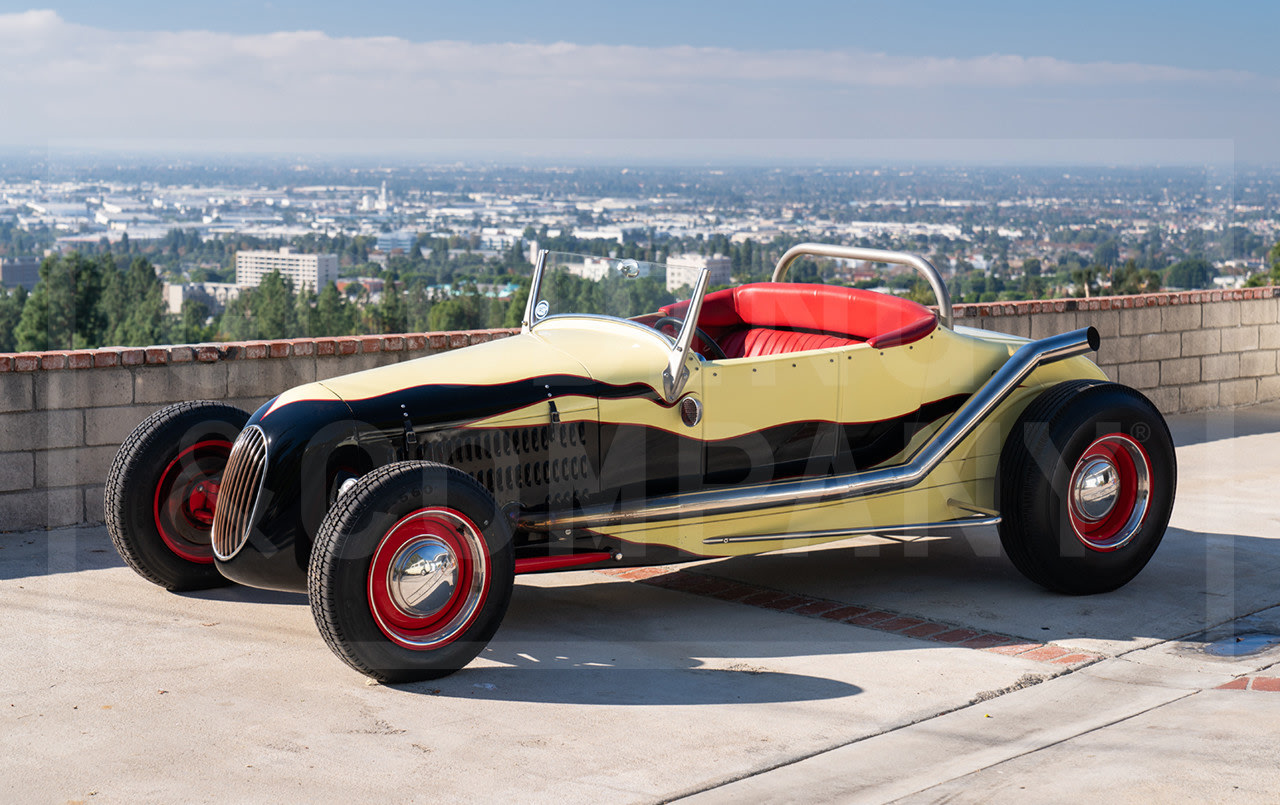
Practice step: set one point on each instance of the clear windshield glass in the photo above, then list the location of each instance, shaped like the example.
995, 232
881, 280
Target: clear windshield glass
634, 290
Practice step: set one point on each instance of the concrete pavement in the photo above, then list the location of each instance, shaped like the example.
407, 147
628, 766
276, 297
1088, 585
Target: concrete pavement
720, 682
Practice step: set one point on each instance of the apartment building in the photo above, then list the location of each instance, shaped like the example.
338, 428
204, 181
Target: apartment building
310, 271
683, 269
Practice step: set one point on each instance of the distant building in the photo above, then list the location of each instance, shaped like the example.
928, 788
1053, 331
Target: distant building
15, 271
683, 269
391, 242
310, 271
595, 268
214, 294
501, 239
371, 284
621, 234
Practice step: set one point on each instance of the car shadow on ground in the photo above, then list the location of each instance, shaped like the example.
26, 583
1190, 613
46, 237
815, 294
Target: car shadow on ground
621, 687
64, 550
248, 595
75, 550
584, 637
632, 643
609, 644
1195, 581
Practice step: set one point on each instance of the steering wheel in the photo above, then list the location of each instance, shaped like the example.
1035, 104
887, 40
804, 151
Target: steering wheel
716, 353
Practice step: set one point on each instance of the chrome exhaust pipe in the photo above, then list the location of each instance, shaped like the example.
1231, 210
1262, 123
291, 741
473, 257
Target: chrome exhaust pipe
977, 408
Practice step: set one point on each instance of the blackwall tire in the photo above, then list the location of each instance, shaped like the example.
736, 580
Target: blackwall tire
162, 490
411, 572
1086, 485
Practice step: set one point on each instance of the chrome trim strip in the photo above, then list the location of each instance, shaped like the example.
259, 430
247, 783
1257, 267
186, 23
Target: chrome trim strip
921, 265
857, 484
853, 532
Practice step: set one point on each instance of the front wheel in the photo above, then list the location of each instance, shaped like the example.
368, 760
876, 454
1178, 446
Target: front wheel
411, 572
1086, 486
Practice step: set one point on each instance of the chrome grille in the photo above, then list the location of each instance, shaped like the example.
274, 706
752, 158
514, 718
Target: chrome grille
238, 495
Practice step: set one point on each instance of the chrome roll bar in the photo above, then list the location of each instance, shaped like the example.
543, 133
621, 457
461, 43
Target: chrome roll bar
921, 265
858, 484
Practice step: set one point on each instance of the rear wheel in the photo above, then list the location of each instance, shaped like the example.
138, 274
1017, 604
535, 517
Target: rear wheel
1086, 486
162, 491
411, 572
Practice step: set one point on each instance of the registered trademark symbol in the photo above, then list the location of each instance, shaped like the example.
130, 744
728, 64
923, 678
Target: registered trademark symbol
1141, 431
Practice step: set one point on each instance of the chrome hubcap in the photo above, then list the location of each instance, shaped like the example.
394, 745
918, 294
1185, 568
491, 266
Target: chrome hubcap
428, 578
1109, 492
1096, 488
422, 577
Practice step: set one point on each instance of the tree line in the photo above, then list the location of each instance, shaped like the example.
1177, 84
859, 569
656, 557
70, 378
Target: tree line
84, 301
89, 300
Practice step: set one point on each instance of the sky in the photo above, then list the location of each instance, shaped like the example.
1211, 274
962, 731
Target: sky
740, 82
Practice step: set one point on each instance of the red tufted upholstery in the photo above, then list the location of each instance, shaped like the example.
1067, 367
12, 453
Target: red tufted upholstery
748, 343
771, 318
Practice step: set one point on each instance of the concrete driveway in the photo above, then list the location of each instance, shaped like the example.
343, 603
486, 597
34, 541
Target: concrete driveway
869, 671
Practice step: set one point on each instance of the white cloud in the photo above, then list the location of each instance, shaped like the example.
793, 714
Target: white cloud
69, 81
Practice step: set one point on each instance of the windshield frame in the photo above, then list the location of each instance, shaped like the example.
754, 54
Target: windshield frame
680, 352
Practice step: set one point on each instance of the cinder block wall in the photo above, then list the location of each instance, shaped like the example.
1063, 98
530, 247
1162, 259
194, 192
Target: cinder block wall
63, 414
1186, 351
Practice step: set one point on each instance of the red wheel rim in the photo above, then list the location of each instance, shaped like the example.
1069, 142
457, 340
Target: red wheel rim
186, 497
429, 578
1109, 491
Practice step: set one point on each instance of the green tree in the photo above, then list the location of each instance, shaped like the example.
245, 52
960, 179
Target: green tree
236, 323
1085, 279
1190, 274
515, 308
132, 306
448, 314
1107, 253
192, 326
463, 311
921, 292
418, 304
1268, 277
274, 307
11, 303
389, 314
62, 312
308, 316
268, 311
334, 314
1129, 279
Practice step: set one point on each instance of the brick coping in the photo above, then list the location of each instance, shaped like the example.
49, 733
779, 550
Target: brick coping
1162, 299
107, 357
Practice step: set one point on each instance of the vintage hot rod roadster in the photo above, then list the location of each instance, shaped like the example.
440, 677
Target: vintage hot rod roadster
625, 427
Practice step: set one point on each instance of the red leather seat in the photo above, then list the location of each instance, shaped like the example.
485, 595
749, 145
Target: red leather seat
771, 318
753, 341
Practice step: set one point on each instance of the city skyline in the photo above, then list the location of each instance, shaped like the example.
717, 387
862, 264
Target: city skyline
1127, 83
